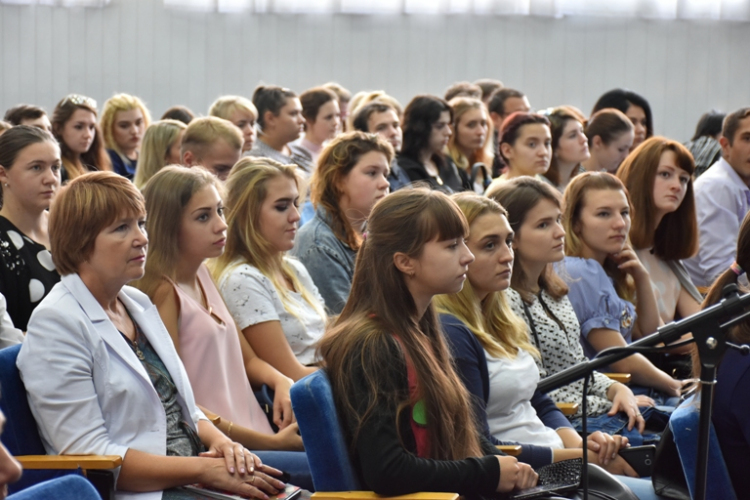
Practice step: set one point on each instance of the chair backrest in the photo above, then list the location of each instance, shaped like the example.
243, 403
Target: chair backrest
684, 424
20, 435
327, 452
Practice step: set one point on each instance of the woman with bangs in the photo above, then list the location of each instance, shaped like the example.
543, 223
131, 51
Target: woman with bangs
124, 120
569, 146
105, 349
490, 345
219, 362
81, 143
470, 146
664, 230
352, 175
610, 288
539, 296
405, 412
271, 297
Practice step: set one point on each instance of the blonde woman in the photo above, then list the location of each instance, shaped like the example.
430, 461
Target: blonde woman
241, 112
270, 296
490, 345
124, 120
469, 146
161, 147
186, 223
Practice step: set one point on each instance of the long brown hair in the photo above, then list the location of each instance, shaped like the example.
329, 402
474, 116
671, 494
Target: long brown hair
573, 201
741, 332
638, 173
558, 119
96, 156
336, 160
381, 308
519, 196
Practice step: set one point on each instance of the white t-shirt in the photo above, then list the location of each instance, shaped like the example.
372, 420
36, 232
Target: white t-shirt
252, 299
509, 412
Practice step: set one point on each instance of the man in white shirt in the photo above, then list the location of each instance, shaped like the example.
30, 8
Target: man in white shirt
722, 198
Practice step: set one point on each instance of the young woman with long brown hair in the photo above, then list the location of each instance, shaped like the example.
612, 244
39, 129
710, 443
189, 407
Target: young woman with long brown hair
664, 230
405, 411
81, 142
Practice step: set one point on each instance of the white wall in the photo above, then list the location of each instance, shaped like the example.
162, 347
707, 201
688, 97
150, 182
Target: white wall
172, 57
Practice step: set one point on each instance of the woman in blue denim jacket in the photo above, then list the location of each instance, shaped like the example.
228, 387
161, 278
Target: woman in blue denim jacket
352, 175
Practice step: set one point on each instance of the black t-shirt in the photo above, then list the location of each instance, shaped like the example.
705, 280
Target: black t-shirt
27, 273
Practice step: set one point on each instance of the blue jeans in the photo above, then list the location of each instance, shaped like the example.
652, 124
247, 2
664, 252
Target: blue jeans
293, 462
71, 487
641, 487
618, 424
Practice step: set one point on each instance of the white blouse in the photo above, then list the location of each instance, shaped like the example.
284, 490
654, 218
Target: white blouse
509, 412
252, 299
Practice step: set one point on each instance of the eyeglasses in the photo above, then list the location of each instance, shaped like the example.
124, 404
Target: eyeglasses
79, 100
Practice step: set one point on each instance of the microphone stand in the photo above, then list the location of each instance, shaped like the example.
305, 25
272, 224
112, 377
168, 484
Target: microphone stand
708, 328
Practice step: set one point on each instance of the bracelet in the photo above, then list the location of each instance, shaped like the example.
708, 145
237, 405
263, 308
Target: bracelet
229, 430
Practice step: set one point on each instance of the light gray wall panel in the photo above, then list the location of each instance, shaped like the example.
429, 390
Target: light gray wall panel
173, 56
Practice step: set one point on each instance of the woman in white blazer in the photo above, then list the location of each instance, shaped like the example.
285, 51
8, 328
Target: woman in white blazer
101, 372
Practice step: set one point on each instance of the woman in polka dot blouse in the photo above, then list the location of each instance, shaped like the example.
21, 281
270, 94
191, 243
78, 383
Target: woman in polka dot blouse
30, 177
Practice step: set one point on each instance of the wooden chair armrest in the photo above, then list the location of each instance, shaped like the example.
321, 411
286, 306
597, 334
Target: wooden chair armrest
371, 495
510, 449
213, 417
568, 409
70, 461
623, 378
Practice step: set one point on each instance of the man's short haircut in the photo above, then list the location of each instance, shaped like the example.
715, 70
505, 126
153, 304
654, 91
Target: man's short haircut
83, 209
489, 86
362, 117
732, 123
202, 133
179, 113
463, 89
18, 114
497, 101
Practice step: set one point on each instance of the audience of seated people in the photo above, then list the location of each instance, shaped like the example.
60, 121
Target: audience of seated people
595, 268
186, 226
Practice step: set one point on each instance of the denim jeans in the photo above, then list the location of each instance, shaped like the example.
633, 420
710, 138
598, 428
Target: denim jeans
71, 487
293, 462
656, 420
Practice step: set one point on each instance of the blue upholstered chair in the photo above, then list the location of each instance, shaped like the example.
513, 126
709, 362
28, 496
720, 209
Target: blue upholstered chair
333, 475
21, 437
684, 424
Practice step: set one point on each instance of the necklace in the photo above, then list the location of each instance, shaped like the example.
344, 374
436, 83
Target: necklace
133, 343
